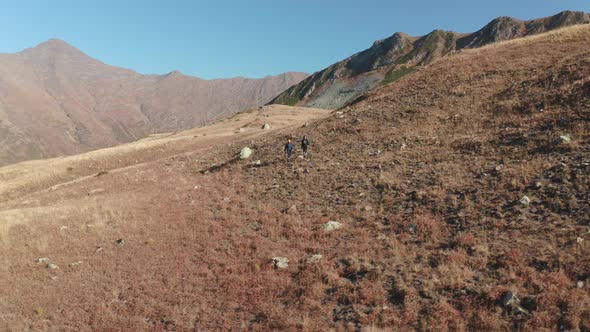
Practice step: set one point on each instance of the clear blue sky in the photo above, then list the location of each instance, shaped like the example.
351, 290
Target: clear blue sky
251, 38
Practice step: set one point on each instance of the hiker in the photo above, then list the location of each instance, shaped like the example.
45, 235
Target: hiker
304, 145
289, 149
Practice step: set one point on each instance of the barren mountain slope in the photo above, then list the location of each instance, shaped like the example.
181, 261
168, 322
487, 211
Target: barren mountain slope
399, 55
427, 176
55, 100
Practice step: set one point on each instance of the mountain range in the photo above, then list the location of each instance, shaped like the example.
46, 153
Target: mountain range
390, 59
55, 100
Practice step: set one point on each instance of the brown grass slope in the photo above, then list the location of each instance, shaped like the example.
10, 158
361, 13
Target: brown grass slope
392, 58
425, 174
56, 100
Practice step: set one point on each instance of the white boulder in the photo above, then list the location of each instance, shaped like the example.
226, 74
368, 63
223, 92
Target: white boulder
245, 153
332, 226
280, 262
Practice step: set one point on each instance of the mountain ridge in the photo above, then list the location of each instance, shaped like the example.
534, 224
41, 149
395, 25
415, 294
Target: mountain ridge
393, 57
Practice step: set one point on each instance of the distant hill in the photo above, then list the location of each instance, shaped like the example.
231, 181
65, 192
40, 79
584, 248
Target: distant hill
56, 100
392, 58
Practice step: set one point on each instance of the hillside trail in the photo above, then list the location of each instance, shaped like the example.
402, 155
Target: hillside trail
47, 175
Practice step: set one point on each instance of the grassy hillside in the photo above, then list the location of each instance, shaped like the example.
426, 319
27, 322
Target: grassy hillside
462, 192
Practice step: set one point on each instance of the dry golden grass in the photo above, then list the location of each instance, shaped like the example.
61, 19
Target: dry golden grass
434, 234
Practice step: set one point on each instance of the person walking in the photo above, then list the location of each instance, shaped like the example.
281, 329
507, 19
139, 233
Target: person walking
304, 145
289, 149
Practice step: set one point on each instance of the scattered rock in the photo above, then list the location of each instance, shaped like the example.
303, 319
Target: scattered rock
75, 264
51, 266
42, 260
280, 262
197, 187
313, 259
301, 157
255, 225
63, 228
99, 249
242, 130
332, 226
564, 139
95, 191
257, 163
120, 242
580, 284
266, 126
412, 228
538, 185
509, 299
292, 209
404, 146
525, 200
245, 153
368, 208
579, 240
